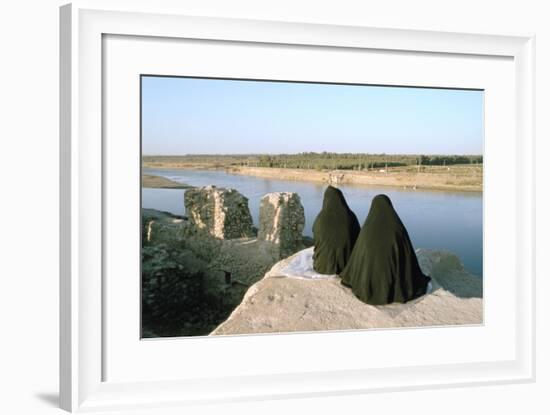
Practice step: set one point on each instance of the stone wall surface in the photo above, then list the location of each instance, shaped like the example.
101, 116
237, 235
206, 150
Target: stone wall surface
209, 258
277, 304
243, 260
282, 221
221, 212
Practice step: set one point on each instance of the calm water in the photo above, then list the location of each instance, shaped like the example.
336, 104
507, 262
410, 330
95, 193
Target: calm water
434, 219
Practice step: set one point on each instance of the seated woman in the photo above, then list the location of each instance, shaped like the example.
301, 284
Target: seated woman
334, 233
383, 267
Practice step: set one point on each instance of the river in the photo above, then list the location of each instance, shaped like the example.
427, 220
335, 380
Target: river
434, 219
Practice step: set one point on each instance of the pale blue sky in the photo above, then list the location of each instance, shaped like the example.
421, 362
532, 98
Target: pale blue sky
208, 116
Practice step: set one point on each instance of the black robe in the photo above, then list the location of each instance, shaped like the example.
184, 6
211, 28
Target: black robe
383, 267
334, 233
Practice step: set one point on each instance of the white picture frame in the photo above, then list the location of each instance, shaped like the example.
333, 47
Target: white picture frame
84, 26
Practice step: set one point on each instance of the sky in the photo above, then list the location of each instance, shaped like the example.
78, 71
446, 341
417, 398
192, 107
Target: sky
211, 116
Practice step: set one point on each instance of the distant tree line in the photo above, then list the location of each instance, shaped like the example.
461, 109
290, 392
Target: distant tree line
324, 160
449, 160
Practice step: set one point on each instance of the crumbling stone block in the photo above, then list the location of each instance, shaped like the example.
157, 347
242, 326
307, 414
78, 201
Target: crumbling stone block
221, 212
282, 221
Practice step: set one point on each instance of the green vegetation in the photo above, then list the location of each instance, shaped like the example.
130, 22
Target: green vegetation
318, 161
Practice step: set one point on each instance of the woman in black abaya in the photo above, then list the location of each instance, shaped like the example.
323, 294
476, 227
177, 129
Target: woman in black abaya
383, 267
334, 233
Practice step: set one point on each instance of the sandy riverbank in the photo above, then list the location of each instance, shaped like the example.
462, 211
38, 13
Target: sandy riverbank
462, 178
468, 178
158, 182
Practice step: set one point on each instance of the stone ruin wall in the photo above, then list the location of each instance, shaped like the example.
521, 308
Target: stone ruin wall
218, 234
223, 213
282, 221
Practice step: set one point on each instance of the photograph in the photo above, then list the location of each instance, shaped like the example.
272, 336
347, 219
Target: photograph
281, 206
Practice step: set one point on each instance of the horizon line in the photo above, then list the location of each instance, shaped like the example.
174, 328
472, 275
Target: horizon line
310, 152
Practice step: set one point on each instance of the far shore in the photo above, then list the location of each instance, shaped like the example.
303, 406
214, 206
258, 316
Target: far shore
468, 178
158, 182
